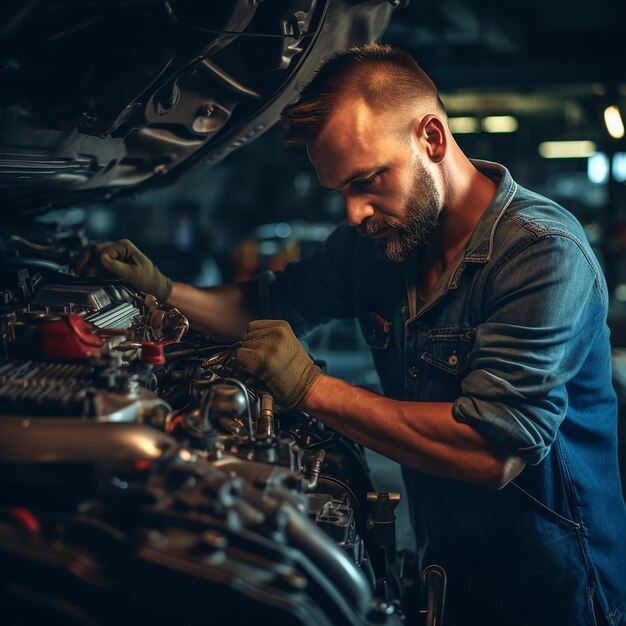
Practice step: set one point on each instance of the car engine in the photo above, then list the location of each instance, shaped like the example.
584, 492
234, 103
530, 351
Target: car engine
143, 477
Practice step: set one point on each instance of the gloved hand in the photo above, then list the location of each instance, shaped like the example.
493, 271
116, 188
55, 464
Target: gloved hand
271, 352
125, 260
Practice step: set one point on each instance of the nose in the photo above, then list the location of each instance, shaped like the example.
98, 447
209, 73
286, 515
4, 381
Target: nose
357, 210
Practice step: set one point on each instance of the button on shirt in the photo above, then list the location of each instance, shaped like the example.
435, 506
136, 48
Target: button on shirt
515, 336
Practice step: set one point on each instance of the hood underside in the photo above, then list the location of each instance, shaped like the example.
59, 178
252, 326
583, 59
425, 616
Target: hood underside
100, 98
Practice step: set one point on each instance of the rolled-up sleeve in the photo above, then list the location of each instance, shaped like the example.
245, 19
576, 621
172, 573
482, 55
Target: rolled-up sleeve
545, 308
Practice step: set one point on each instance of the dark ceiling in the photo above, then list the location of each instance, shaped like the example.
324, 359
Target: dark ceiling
525, 45
554, 65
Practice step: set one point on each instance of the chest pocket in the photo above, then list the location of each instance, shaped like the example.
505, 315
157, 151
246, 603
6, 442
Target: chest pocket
448, 349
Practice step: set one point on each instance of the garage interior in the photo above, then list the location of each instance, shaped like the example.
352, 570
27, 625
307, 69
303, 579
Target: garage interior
537, 86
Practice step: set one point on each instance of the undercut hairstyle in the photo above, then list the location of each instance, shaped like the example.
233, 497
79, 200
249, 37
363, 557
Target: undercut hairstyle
384, 76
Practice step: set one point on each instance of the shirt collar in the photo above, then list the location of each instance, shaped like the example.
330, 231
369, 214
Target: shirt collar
479, 248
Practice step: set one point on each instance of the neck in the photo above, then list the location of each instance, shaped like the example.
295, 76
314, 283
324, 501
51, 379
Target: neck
468, 193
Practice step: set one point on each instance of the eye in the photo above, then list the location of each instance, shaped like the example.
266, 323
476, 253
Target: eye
369, 182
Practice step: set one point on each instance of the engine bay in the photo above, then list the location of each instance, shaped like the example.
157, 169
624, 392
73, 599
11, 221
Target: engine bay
143, 477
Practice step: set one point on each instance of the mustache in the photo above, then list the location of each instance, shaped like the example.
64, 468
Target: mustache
368, 228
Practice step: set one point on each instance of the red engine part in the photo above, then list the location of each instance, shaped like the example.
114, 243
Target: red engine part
152, 353
69, 339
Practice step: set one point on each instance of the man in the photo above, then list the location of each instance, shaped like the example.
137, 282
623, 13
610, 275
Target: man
486, 312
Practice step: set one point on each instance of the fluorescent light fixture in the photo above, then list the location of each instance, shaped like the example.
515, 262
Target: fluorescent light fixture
598, 168
567, 149
613, 121
500, 124
462, 125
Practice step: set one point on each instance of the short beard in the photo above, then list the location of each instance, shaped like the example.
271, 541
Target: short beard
422, 209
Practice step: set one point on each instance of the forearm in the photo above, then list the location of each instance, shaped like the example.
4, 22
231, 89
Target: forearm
423, 436
223, 311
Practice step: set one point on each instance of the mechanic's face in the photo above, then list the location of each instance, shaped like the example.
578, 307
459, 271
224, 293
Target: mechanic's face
383, 175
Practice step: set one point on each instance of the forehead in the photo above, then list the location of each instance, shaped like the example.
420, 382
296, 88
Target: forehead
354, 138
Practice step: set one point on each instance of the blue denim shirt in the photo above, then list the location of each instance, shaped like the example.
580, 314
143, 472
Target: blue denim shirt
515, 335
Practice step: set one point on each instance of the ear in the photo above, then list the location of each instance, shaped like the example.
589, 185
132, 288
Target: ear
431, 133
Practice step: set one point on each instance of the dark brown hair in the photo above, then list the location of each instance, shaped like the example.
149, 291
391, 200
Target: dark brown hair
383, 75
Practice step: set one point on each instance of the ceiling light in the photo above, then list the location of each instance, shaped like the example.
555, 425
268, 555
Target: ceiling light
500, 124
613, 121
566, 149
461, 125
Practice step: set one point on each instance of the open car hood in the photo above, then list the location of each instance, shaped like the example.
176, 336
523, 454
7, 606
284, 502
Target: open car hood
99, 98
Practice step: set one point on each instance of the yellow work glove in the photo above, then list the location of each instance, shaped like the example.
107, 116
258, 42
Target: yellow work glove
272, 353
125, 260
